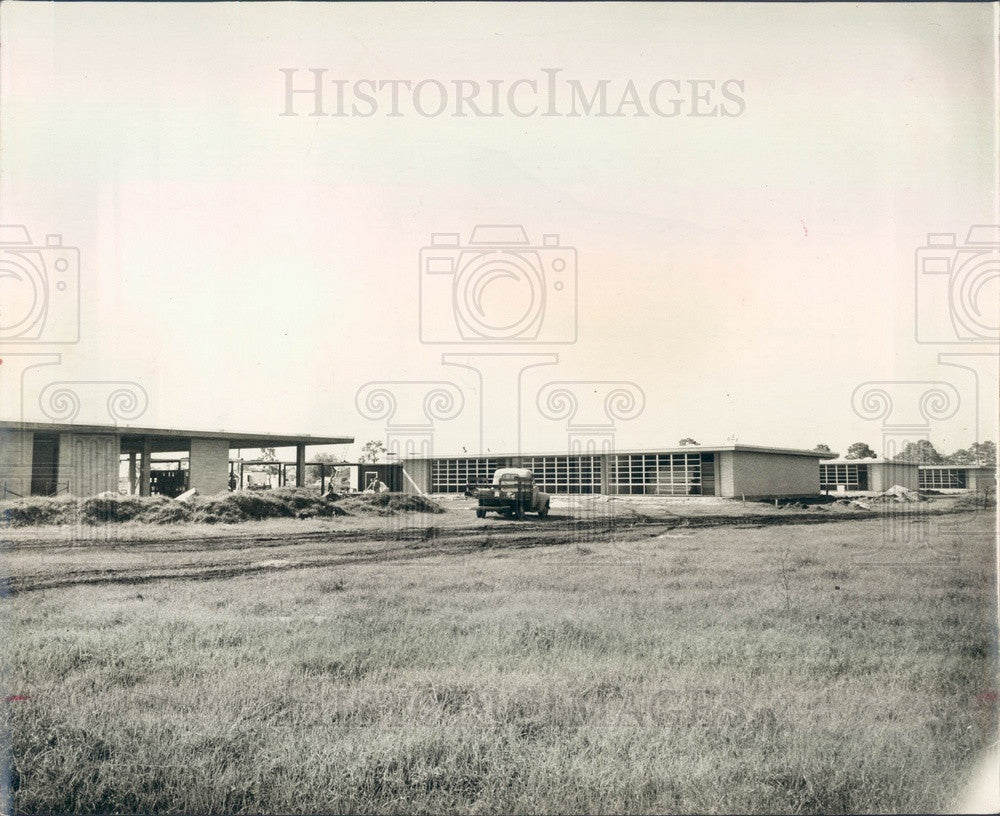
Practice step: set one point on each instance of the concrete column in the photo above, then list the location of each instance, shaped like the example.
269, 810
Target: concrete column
132, 474
300, 465
145, 466
209, 466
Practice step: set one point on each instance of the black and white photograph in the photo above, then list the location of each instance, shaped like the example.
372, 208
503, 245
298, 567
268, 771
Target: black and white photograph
499, 408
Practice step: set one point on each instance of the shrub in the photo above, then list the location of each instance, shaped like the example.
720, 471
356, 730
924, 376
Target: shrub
389, 503
229, 508
113, 507
167, 513
39, 510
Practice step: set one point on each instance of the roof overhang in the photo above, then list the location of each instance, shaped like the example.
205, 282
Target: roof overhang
958, 466
877, 461
679, 449
161, 440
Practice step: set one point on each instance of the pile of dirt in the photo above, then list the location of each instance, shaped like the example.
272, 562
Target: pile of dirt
897, 494
230, 508
256, 505
388, 504
38, 510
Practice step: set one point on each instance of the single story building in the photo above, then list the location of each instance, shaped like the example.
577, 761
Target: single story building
47, 459
957, 477
731, 471
867, 475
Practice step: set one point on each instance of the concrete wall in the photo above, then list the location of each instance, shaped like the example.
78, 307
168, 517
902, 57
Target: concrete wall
981, 478
15, 462
419, 473
769, 474
88, 463
725, 474
209, 464
883, 475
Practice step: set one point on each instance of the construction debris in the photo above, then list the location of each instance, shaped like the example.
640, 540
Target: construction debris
898, 494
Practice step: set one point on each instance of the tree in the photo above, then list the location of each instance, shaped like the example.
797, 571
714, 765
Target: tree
960, 457
687, 440
372, 451
823, 448
978, 453
860, 450
323, 459
269, 455
984, 452
922, 452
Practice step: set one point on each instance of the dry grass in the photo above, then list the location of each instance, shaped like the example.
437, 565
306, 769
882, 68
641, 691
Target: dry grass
787, 669
227, 508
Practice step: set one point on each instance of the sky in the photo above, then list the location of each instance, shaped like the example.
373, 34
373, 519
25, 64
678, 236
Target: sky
739, 275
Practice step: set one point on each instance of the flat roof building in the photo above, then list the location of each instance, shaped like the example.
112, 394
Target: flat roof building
867, 475
46, 459
691, 470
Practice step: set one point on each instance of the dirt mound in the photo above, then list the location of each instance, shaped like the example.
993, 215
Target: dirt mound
388, 504
39, 510
231, 508
897, 494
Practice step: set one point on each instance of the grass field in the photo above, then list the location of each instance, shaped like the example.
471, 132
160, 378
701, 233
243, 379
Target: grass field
836, 667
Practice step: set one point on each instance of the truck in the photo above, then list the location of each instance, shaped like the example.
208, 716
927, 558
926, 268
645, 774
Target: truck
512, 494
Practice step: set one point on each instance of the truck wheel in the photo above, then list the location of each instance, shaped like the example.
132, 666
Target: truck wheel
543, 512
480, 513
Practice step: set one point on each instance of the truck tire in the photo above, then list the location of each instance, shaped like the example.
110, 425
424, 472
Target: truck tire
480, 512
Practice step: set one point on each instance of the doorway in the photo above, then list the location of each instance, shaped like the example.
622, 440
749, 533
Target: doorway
44, 464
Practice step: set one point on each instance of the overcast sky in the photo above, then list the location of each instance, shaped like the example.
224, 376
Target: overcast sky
748, 269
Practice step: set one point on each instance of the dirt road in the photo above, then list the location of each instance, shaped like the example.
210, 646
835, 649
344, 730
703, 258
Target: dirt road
133, 554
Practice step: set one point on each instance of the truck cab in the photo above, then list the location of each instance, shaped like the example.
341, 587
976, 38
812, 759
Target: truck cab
512, 494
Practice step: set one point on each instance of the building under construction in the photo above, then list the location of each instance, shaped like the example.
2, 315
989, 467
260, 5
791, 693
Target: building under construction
48, 459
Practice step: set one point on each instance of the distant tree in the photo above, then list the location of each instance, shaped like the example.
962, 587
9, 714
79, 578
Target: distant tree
372, 451
687, 440
269, 455
984, 452
960, 457
860, 450
921, 451
322, 459
823, 448
978, 453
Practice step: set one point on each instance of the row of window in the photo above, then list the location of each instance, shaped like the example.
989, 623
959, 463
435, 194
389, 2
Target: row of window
565, 474
852, 477
650, 474
455, 475
943, 478
662, 474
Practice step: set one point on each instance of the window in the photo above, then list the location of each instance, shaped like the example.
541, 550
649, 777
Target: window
830, 476
943, 478
662, 474
565, 474
455, 475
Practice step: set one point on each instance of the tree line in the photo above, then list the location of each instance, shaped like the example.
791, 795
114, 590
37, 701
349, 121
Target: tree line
924, 453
